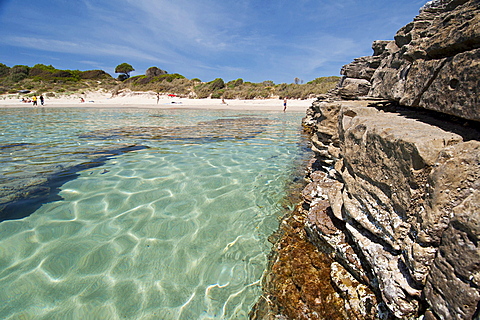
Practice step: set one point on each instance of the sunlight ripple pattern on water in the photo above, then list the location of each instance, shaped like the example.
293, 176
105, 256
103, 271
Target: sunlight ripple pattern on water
177, 230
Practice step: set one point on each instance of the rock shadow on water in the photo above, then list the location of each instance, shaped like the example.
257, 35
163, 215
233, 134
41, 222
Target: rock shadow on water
23, 194
241, 128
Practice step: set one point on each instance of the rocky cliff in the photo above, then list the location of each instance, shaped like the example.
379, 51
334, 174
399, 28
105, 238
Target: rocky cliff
400, 211
433, 63
394, 190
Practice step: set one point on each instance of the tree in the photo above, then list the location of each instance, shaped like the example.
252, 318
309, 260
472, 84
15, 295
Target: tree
125, 69
298, 81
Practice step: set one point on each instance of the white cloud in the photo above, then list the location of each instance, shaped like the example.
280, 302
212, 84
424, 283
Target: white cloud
183, 24
78, 47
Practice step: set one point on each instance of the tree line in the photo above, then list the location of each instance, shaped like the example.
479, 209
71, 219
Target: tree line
43, 79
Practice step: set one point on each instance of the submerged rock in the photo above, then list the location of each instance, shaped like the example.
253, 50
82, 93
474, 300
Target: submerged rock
298, 284
220, 129
26, 189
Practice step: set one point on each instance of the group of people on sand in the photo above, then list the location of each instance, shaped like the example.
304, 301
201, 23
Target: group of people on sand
34, 100
284, 103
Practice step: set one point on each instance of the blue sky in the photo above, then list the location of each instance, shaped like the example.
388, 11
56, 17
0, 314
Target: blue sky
255, 40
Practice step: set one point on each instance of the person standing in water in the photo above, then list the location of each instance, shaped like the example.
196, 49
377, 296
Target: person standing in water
285, 104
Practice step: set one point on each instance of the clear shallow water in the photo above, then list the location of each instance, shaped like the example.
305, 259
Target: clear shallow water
176, 229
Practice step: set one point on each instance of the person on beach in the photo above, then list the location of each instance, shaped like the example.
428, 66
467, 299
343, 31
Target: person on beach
34, 100
41, 100
158, 96
82, 100
285, 104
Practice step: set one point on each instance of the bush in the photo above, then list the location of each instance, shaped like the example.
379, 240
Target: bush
234, 83
229, 94
324, 80
138, 80
168, 77
122, 77
217, 94
268, 83
18, 73
154, 72
94, 75
217, 84
45, 78
62, 74
4, 70
43, 67
202, 91
39, 73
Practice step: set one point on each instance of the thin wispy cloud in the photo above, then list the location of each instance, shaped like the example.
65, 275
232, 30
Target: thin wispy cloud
60, 46
255, 40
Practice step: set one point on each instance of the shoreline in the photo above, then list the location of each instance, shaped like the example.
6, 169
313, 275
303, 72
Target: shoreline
149, 101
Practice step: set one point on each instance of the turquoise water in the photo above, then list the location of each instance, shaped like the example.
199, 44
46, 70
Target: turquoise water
140, 214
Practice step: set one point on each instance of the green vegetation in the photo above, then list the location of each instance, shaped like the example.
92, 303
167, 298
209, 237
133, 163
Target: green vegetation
124, 69
47, 79
43, 79
235, 89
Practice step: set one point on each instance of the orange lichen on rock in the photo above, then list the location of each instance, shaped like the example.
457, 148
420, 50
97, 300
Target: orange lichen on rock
298, 285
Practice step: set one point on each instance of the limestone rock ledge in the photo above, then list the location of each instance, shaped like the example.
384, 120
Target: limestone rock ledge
392, 204
433, 63
395, 202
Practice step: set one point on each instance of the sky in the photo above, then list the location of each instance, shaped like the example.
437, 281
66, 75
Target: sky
256, 40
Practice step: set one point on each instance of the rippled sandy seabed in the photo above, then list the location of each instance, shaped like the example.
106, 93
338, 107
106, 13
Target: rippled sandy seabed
139, 214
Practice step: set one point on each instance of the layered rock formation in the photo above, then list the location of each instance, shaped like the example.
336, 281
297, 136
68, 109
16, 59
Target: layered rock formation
395, 201
432, 63
402, 196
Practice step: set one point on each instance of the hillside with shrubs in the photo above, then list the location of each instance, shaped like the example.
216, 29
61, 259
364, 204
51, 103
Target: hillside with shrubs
43, 79
47, 80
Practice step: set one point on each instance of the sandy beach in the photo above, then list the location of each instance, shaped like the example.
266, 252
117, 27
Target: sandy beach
149, 100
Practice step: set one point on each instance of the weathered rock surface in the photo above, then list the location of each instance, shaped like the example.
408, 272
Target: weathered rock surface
353, 88
394, 196
437, 64
433, 62
398, 207
403, 187
453, 284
